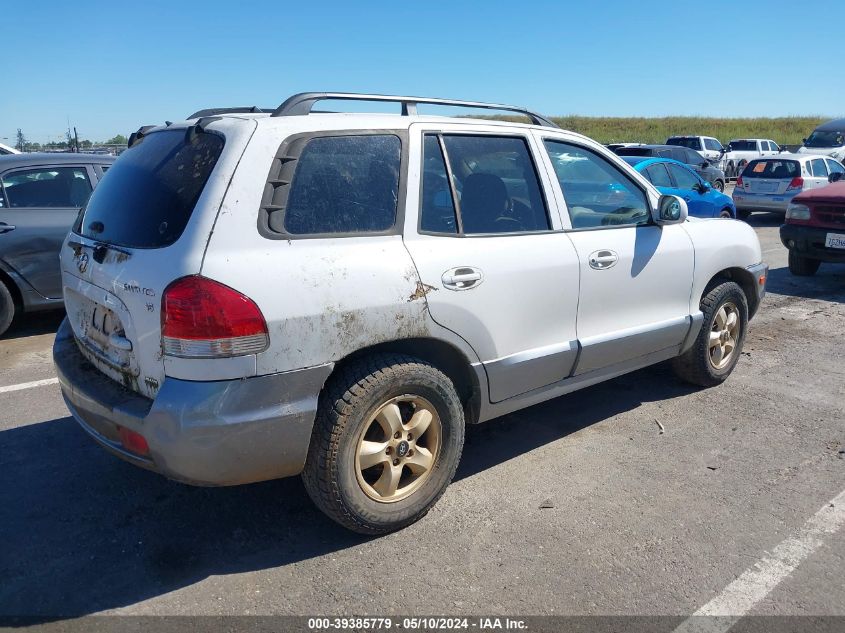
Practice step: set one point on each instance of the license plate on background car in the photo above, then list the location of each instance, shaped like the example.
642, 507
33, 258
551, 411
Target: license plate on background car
835, 240
768, 187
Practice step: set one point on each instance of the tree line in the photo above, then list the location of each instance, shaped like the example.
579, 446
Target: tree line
70, 143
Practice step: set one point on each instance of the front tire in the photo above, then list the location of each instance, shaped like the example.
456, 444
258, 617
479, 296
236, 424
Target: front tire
386, 443
7, 308
716, 350
726, 213
802, 266
719, 186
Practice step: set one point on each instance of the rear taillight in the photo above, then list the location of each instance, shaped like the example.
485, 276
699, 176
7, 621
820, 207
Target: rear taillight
738, 181
797, 183
201, 318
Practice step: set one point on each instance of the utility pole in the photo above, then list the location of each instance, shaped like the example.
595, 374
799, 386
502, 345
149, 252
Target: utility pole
76, 137
21, 141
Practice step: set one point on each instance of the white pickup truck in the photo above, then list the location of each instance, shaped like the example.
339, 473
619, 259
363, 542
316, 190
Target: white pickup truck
741, 151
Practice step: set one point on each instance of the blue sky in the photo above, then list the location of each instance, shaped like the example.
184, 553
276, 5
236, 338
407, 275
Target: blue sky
110, 67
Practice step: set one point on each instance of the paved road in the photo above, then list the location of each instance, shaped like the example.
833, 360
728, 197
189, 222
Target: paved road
639, 522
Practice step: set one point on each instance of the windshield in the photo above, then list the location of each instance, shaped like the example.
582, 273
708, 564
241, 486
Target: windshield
149, 194
825, 139
693, 142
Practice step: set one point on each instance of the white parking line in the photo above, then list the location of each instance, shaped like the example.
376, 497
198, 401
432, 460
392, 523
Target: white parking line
29, 385
740, 596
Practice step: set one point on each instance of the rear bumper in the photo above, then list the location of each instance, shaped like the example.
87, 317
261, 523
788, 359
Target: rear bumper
808, 241
763, 201
204, 433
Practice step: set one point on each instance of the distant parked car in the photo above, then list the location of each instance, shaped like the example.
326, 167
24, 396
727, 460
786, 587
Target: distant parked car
709, 147
741, 151
827, 139
676, 179
5, 150
40, 198
770, 184
815, 228
702, 166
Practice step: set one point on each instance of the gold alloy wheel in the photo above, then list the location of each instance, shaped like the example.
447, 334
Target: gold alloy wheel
397, 448
723, 335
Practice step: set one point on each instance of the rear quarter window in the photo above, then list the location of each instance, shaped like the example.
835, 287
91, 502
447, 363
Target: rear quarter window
341, 185
152, 189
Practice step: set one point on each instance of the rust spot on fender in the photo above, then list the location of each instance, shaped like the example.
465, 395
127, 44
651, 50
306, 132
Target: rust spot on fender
421, 291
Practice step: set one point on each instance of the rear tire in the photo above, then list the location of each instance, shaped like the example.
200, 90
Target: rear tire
7, 308
367, 414
718, 346
802, 266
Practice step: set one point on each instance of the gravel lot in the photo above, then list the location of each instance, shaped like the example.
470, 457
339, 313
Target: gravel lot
576, 506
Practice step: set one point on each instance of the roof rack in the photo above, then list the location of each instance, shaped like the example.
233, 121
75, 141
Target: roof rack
237, 110
303, 102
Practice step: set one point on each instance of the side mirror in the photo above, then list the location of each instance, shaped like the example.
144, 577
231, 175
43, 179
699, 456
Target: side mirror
835, 176
670, 210
705, 186
804, 141
706, 163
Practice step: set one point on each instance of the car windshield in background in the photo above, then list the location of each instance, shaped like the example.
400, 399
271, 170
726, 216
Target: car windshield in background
151, 190
742, 146
692, 143
825, 139
772, 169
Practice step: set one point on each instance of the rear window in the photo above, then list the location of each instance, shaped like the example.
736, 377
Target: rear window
693, 142
634, 151
742, 146
151, 190
772, 169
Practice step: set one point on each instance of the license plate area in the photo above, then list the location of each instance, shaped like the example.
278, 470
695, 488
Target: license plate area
100, 333
835, 240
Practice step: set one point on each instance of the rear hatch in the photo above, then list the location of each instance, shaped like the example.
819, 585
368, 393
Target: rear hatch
771, 176
146, 225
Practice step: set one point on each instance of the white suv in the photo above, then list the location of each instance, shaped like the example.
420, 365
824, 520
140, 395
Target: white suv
255, 295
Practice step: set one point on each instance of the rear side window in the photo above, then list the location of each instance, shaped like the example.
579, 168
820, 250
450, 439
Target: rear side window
344, 184
657, 175
818, 168
66, 187
152, 189
437, 213
495, 183
772, 169
742, 146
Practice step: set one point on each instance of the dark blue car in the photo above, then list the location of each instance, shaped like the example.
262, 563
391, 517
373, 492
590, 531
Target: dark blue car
674, 178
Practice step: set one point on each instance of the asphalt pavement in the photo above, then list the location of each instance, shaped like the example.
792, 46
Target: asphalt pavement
576, 506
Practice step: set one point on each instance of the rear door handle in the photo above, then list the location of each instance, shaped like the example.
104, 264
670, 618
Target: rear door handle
462, 278
602, 260
5, 228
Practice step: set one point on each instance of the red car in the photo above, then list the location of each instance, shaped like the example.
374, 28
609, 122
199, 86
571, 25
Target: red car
815, 229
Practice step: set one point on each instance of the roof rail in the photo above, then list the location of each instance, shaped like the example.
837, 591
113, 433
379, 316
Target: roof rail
237, 110
303, 102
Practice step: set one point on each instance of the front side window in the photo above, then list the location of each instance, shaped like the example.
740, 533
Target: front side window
597, 193
712, 144
818, 169
66, 187
683, 177
345, 184
495, 183
693, 142
692, 158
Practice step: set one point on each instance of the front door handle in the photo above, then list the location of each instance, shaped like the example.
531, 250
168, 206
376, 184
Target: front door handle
602, 260
462, 278
5, 228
